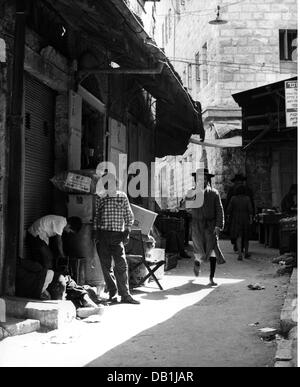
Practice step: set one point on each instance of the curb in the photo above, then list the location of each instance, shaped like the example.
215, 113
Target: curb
286, 353
16, 327
51, 314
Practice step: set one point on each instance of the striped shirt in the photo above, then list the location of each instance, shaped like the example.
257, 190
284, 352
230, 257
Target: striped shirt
113, 213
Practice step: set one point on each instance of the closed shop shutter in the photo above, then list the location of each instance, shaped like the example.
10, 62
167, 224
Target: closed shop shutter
39, 150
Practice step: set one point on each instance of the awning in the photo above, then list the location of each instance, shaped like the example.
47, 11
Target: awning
111, 24
264, 113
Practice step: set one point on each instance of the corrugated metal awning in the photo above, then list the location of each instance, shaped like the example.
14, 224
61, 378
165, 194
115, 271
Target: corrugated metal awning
110, 23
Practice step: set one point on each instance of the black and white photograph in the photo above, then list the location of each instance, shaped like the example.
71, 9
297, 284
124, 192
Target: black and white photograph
148, 186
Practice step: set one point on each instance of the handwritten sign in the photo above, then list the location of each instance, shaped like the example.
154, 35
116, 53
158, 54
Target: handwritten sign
291, 103
78, 182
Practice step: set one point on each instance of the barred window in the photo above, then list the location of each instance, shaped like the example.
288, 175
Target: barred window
288, 45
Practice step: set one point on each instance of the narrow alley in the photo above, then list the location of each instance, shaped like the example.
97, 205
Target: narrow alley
148, 184
186, 325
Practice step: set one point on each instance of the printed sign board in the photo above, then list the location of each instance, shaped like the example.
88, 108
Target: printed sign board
78, 182
291, 103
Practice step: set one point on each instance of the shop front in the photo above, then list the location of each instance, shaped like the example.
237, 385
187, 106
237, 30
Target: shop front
77, 110
269, 119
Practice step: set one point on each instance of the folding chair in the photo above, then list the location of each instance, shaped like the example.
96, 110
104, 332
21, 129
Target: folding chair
141, 259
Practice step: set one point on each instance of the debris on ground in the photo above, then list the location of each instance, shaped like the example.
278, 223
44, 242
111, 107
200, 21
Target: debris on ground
253, 324
268, 333
287, 262
92, 319
286, 257
256, 286
285, 269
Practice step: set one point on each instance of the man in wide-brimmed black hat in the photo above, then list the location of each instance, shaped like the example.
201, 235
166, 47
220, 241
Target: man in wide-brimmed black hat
207, 222
238, 180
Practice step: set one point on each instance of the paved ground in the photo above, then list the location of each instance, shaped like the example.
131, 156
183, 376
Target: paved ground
188, 324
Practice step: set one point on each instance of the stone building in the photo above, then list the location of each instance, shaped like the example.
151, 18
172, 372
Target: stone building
78, 85
256, 46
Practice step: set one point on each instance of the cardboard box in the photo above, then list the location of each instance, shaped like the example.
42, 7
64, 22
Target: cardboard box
143, 219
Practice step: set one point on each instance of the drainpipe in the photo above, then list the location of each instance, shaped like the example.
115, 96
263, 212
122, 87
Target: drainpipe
15, 153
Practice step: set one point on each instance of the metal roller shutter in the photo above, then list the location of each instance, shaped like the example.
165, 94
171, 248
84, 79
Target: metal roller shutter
39, 150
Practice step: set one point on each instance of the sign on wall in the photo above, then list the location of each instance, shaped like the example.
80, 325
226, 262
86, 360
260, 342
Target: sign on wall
291, 103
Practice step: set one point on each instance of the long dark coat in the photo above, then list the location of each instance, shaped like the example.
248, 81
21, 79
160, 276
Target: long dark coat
204, 221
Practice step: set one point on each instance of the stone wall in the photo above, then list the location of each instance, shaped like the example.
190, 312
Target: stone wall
241, 54
227, 162
258, 171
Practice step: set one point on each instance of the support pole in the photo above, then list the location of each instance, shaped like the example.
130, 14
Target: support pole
15, 153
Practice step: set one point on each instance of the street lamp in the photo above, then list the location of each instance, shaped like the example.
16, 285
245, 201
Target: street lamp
217, 20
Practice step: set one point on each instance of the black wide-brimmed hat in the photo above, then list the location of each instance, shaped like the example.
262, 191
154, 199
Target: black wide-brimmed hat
205, 172
239, 177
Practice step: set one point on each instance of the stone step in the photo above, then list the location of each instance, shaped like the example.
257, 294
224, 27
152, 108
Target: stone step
15, 327
51, 314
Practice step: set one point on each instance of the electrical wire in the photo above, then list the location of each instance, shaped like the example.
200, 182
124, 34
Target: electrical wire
262, 66
199, 12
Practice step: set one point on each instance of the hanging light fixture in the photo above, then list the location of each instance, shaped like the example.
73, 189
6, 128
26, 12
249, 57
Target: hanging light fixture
217, 20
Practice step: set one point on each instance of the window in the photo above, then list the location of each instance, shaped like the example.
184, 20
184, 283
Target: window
197, 71
166, 29
190, 76
178, 9
184, 80
288, 45
204, 73
172, 183
170, 22
197, 64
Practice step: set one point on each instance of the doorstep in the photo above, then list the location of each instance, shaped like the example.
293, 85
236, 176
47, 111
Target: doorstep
51, 314
15, 327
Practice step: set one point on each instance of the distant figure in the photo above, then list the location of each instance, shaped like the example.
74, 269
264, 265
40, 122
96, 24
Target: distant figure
240, 212
238, 180
289, 202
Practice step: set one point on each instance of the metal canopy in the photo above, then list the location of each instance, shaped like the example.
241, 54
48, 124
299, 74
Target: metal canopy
263, 112
112, 25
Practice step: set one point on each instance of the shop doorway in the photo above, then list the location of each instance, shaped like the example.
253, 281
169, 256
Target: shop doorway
93, 135
39, 112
